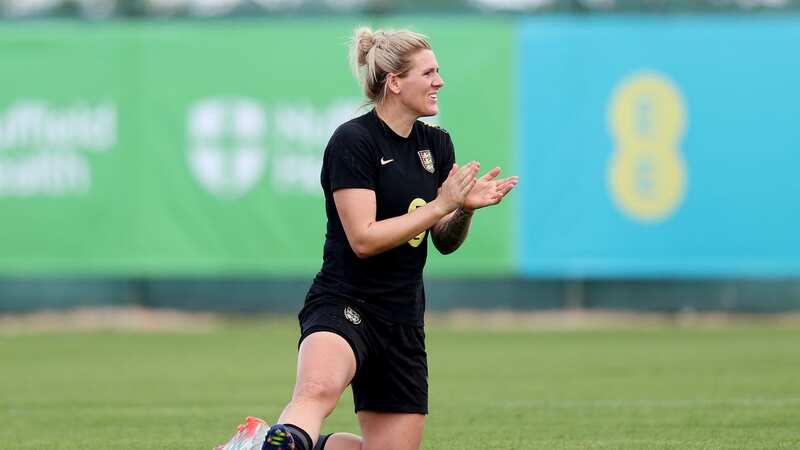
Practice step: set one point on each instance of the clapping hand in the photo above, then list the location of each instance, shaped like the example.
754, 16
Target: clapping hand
460, 181
489, 191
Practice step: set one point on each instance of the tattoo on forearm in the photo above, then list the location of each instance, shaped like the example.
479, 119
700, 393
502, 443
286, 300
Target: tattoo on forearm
452, 234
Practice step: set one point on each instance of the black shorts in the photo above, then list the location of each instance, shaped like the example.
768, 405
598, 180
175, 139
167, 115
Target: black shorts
392, 366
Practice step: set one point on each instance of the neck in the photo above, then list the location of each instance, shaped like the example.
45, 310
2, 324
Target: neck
397, 117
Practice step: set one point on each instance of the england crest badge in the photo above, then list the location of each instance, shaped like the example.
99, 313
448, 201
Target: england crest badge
351, 315
426, 158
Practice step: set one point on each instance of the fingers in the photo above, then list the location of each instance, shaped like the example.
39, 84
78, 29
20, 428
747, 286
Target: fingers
468, 187
460, 173
501, 188
453, 170
467, 173
504, 180
491, 174
469, 169
468, 180
506, 185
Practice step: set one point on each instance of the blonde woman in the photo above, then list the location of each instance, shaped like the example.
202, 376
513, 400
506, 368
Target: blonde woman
388, 180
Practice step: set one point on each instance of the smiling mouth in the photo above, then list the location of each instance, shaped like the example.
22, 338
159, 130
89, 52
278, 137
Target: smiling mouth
433, 97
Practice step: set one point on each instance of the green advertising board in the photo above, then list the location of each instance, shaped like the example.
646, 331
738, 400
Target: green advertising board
194, 149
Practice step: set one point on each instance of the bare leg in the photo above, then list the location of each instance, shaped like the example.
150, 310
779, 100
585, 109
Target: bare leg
343, 441
325, 366
391, 431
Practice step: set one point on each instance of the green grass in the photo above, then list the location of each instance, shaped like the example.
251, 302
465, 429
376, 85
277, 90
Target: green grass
729, 388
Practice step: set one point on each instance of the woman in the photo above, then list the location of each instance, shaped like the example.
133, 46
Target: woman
388, 179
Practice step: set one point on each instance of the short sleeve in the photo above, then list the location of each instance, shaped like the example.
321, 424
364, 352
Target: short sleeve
350, 160
448, 157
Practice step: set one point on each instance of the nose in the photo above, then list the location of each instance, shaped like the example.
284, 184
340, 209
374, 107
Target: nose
438, 81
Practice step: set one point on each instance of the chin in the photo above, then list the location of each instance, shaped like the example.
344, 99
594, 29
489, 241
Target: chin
429, 111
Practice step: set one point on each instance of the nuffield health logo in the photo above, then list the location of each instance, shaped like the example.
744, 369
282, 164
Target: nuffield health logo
46, 148
225, 144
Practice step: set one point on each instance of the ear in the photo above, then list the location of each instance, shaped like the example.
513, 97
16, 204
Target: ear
393, 83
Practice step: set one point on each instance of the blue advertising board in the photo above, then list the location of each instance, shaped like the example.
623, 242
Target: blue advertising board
659, 147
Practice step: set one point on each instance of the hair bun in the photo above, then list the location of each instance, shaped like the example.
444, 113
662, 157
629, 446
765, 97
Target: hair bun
364, 39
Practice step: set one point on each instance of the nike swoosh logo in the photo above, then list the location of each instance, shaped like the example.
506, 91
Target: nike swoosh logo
386, 161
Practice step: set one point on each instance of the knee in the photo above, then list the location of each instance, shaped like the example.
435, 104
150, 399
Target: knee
340, 441
321, 392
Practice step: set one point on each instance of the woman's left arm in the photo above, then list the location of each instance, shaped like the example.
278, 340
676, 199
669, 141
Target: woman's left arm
450, 232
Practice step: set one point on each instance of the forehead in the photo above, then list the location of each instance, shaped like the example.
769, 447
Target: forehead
424, 59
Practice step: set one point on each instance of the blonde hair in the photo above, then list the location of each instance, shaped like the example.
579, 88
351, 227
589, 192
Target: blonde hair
374, 54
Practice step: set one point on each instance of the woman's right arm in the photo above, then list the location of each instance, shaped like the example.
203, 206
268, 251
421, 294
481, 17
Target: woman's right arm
369, 237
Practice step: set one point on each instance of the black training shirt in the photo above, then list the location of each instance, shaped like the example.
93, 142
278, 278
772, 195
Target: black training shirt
405, 173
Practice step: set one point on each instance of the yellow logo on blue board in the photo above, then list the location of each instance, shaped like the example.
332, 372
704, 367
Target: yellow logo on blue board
647, 119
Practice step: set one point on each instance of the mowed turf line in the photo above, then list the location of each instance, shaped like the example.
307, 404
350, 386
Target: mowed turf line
729, 388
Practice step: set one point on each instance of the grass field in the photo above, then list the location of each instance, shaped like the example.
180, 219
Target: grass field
668, 388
